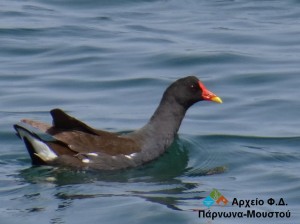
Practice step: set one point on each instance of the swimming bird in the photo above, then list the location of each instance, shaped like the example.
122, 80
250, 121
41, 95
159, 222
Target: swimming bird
70, 142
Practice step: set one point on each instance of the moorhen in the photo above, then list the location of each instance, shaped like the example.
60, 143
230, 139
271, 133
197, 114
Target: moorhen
70, 142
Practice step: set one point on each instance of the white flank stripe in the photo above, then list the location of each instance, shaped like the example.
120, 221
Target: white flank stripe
85, 160
133, 154
92, 154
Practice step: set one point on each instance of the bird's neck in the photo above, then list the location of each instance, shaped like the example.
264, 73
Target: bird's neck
167, 118
162, 127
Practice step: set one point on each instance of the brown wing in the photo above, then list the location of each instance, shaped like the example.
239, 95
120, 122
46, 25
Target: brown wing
63, 121
81, 138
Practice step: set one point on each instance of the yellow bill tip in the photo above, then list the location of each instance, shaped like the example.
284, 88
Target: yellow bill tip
216, 99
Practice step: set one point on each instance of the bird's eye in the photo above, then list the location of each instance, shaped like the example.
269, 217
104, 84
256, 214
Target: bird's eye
193, 86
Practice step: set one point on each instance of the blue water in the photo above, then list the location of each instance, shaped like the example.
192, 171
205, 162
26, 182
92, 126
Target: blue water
108, 63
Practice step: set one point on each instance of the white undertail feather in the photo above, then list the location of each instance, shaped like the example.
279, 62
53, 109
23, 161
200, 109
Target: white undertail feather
40, 148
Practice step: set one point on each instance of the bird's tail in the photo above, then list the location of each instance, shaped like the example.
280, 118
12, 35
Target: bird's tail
39, 151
